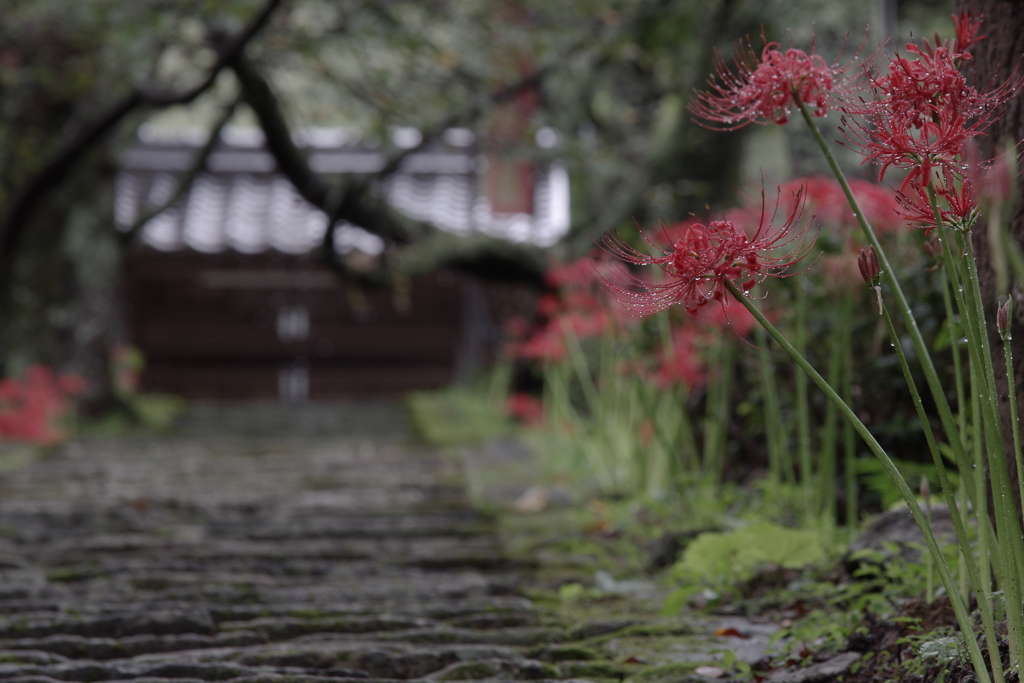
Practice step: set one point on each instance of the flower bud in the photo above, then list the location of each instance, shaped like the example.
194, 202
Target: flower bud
868, 264
1003, 319
933, 247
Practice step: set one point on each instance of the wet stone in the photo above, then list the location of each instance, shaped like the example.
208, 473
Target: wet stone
261, 544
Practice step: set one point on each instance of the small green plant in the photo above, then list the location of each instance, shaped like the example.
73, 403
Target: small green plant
456, 415
727, 558
919, 117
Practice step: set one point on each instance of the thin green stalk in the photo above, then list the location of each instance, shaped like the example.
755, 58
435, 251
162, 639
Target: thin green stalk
953, 324
849, 438
803, 412
963, 619
780, 467
949, 494
688, 451
1011, 386
1012, 249
889, 275
929, 592
1008, 530
1007, 521
556, 386
827, 474
716, 423
977, 469
1007, 534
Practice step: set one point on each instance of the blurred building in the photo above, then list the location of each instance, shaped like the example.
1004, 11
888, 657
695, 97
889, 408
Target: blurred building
226, 299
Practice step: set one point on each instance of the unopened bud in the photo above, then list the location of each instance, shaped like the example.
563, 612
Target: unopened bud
1003, 319
933, 247
868, 264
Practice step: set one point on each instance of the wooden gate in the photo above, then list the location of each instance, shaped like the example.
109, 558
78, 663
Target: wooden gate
274, 326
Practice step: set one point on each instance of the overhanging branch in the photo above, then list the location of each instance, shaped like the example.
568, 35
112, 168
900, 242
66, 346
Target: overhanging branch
57, 169
185, 182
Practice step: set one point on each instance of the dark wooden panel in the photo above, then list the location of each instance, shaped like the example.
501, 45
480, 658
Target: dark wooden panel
234, 340
207, 326
239, 381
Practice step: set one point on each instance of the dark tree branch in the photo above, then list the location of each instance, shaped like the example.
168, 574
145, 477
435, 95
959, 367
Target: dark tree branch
185, 182
353, 204
290, 160
57, 169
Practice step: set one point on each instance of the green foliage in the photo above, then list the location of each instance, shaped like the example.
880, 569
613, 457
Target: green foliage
457, 415
718, 558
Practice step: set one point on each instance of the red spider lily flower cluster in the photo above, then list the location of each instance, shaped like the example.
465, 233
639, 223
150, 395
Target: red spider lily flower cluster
685, 360
920, 115
696, 268
762, 90
575, 305
32, 407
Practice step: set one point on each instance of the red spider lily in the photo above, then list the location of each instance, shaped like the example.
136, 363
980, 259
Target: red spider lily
700, 262
922, 113
966, 29
32, 407
763, 90
959, 197
577, 307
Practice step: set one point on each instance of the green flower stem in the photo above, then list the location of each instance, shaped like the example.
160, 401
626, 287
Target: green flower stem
803, 411
1008, 533
977, 473
579, 364
827, 475
954, 344
987, 617
1007, 520
1016, 259
779, 465
1011, 386
849, 438
889, 275
963, 619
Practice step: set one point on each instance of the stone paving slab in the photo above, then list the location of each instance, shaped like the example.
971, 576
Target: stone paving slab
259, 544
278, 544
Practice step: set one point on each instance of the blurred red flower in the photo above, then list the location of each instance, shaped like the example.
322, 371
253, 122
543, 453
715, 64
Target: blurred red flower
32, 407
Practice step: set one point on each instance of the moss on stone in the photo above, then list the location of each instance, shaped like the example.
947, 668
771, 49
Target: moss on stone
668, 673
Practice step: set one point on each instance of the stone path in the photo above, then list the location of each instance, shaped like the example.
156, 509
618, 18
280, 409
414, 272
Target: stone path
336, 551
267, 544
